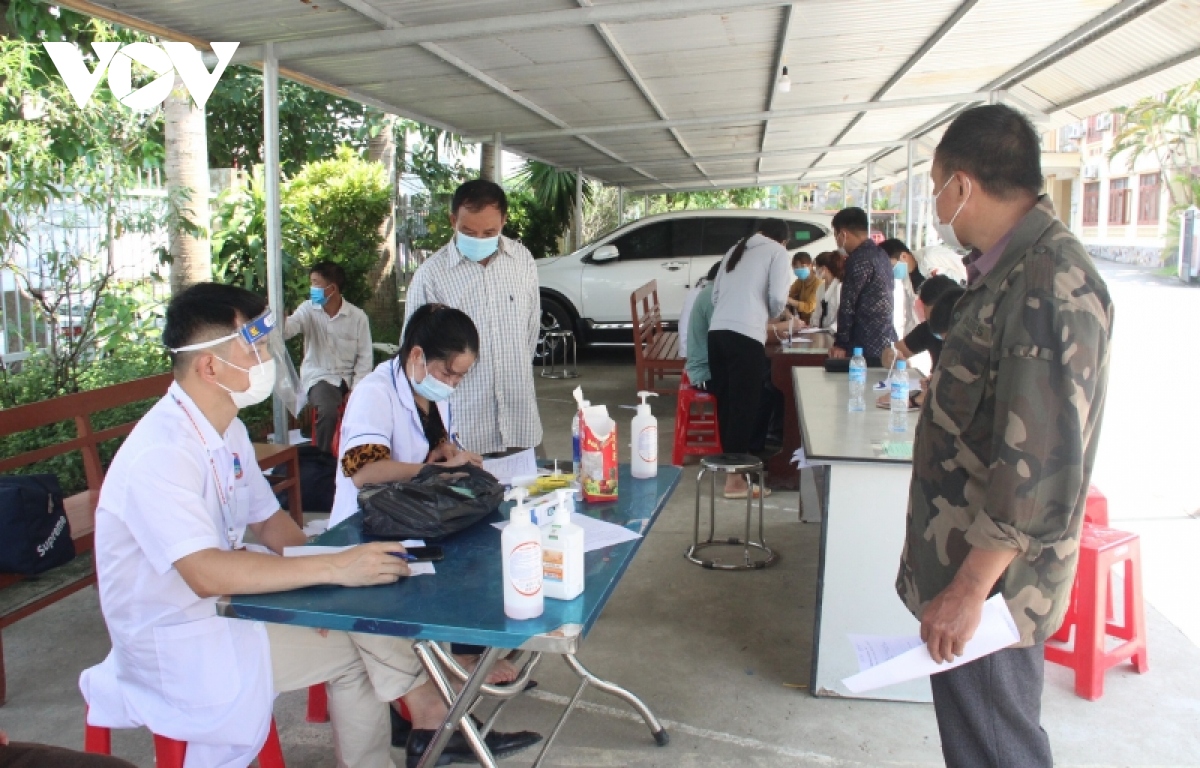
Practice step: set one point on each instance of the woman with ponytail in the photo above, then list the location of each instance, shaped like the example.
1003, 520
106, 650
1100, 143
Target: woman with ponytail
751, 289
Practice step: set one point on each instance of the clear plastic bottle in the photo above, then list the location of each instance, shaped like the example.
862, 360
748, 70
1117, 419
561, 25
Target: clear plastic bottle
899, 400
858, 382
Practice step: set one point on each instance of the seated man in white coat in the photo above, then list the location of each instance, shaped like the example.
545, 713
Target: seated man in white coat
173, 511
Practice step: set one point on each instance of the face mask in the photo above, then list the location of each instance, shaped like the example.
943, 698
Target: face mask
262, 383
476, 248
316, 296
945, 230
802, 272
430, 387
900, 271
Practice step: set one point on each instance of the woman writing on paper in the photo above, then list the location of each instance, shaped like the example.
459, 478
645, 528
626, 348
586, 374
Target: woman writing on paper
398, 418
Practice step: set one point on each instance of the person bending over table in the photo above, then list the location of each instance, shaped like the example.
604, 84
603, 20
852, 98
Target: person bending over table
936, 326
399, 419
922, 339
699, 318
173, 511
751, 287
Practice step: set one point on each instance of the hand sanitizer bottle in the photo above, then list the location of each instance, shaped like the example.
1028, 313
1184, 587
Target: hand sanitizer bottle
644, 453
562, 551
521, 551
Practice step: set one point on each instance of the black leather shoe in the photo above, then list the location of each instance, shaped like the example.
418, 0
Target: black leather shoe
457, 750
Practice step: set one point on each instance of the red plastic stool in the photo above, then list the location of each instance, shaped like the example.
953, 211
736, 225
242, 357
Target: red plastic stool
1100, 549
1095, 512
169, 753
318, 704
695, 423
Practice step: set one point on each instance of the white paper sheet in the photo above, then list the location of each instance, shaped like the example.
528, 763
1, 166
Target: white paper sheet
414, 569
295, 437
316, 527
887, 660
597, 534
522, 464
801, 460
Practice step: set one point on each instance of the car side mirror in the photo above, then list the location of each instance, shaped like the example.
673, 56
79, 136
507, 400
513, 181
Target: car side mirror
605, 253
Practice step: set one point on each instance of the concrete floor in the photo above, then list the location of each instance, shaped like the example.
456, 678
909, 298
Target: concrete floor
722, 658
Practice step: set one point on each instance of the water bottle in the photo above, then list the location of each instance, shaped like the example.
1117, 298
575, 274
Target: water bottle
899, 390
858, 381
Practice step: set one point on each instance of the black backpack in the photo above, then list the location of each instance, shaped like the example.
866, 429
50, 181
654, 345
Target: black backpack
318, 480
35, 535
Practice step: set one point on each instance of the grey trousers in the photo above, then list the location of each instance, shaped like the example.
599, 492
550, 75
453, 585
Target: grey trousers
325, 399
989, 711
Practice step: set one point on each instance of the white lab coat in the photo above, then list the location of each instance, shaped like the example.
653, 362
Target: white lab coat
829, 297
381, 411
177, 667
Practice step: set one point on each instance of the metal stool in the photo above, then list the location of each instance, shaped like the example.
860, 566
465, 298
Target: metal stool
552, 341
749, 467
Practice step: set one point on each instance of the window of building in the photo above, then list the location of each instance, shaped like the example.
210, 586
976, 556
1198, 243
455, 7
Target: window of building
1148, 197
1119, 196
1091, 203
1093, 128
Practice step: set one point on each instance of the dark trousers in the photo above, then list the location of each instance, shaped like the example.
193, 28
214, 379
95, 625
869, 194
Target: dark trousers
21, 755
989, 711
737, 363
326, 400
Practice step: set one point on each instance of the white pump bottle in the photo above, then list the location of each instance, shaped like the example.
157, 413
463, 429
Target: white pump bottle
521, 551
644, 447
562, 550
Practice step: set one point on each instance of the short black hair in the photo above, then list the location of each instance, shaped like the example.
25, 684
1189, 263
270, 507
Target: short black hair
941, 314
440, 331
206, 311
894, 246
801, 257
933, 287
478, 194
714, 270
851, 220
998, 146
330, 273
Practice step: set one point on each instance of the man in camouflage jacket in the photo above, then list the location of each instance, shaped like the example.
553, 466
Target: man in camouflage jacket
1007, 438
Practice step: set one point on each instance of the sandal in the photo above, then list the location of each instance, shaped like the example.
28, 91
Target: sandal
756, 490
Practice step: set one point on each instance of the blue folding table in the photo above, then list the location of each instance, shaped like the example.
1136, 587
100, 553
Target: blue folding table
463, 603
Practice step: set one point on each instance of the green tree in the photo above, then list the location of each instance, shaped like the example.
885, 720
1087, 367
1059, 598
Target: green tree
1167, 129
552, 190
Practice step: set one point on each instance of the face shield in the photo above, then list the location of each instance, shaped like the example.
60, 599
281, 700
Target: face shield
259, 338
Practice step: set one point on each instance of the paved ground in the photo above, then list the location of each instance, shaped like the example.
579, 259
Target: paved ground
723, 658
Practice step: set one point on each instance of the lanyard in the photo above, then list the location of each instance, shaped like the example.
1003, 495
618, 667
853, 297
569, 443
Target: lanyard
224, 501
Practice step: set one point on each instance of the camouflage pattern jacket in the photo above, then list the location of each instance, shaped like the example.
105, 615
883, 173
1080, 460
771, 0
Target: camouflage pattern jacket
1007, 437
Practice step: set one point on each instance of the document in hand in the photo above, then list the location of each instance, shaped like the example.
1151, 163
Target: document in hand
521, 464
889, 660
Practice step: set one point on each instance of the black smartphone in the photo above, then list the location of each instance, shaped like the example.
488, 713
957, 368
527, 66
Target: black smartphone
425, 554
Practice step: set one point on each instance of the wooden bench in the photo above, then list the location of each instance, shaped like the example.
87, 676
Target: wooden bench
22, 596
656, 352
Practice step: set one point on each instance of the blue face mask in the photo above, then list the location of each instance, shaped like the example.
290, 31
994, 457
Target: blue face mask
802, 272
900, 271
316, 296
476, 248
431, 388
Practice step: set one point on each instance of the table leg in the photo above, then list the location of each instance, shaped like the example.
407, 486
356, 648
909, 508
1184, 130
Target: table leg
460, 705
586, 678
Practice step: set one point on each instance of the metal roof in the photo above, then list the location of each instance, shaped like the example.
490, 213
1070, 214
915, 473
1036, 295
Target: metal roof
659, 95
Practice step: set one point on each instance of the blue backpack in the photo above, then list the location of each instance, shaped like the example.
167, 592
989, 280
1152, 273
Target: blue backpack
35, 535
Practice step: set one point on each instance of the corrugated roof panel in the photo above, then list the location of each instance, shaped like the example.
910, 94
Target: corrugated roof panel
239, 21
413, 12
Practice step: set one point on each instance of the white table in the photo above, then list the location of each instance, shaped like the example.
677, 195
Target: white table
865, 502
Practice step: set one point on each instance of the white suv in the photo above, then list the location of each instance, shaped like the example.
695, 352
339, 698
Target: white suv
588, 291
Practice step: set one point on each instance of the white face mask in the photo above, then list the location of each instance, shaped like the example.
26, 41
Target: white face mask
945, 229
262, 383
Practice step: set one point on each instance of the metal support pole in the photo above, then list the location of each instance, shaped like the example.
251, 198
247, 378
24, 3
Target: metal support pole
908, 199
845, 190
645, 205
497, 160
870, 194
620, 206
578, 208
271, 186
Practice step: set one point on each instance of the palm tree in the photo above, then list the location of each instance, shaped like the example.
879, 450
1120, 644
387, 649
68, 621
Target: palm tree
1168, 129
553, 190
